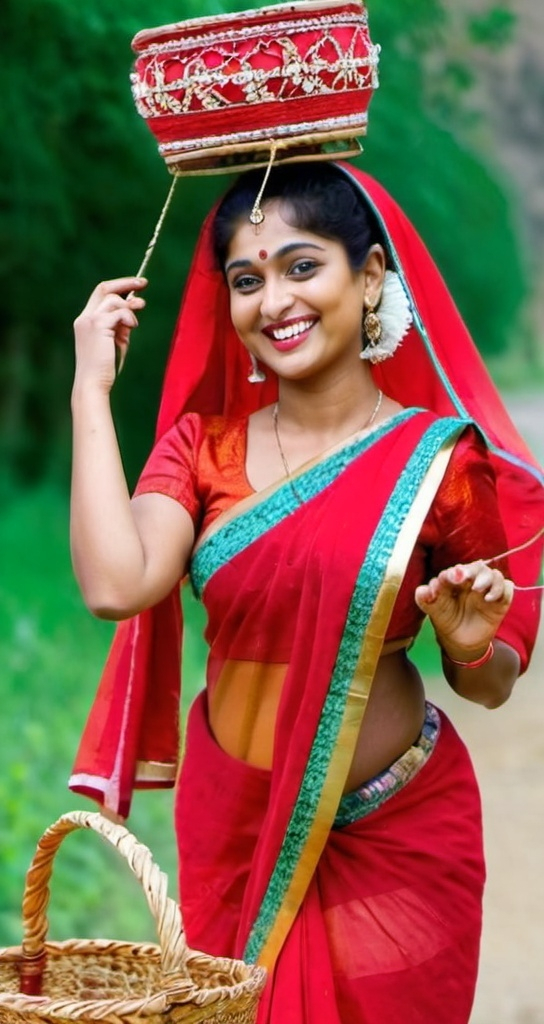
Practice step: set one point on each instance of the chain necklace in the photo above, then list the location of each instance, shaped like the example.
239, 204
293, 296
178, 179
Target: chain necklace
368, 423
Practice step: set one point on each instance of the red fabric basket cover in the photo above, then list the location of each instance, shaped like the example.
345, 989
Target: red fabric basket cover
216, 90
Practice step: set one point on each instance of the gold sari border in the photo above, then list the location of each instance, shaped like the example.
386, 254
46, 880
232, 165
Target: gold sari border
356, 704
155, 772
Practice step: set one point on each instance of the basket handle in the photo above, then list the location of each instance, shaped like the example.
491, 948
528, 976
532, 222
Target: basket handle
165, 911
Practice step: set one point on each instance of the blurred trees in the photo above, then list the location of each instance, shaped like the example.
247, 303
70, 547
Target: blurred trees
81, 185
421, 123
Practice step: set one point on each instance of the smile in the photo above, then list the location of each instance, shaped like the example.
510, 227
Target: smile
289, 334
292, 330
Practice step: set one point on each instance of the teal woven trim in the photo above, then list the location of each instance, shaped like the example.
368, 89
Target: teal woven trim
239, 533
366, 590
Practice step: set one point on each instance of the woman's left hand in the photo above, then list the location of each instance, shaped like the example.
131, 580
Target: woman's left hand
466, 604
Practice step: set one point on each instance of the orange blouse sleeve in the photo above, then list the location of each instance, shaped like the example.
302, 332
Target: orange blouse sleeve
171, 468
462, 525
199, 462
464, 522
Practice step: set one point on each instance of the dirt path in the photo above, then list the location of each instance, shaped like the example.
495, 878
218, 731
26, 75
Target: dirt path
507, 748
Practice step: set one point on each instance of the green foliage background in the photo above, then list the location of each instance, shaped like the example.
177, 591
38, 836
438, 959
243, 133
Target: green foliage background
82, 184
80, 188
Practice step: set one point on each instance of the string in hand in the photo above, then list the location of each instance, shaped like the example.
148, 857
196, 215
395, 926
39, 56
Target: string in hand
513, 551
147, 256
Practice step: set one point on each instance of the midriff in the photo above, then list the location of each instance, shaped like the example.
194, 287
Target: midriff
244, 701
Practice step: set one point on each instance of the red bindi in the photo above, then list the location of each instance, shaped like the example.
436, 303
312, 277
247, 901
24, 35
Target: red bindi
263, 255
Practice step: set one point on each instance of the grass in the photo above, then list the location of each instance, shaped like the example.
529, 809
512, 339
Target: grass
52, 652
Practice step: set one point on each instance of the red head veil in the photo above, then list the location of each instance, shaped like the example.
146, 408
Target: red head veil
134, 719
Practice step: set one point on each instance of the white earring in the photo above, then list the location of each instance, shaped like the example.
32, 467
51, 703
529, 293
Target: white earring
255, 376
384, 330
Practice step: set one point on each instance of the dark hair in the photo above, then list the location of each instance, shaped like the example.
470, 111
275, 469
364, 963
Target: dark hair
321, 198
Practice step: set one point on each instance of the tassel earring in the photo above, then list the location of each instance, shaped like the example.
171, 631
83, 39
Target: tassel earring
372, 333
256, 375
383, 332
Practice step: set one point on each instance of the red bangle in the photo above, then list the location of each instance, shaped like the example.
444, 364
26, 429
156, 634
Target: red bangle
479, 661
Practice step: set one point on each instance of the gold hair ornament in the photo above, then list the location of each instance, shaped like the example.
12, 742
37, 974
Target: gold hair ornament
257, 216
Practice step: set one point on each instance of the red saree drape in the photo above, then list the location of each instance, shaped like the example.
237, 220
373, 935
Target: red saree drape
390, 926
135, 717
437, 368
371, 932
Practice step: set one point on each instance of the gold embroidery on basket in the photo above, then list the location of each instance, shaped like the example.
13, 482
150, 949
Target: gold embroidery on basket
200, 87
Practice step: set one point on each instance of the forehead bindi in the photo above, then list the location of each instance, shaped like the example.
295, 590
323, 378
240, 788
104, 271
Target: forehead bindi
266, 243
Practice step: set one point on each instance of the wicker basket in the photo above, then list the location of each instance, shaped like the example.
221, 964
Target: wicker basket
117, 982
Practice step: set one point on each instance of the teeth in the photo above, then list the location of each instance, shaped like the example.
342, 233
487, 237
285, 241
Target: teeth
282, 333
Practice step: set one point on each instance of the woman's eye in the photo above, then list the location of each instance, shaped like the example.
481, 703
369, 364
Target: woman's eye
303, 268
245, 283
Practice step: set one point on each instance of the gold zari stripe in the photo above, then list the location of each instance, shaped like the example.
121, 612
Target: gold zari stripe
356, 704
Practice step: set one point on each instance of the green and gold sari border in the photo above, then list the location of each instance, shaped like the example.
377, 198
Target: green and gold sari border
240, 532
370, 609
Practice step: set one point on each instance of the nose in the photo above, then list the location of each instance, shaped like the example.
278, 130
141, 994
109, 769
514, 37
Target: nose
276, 297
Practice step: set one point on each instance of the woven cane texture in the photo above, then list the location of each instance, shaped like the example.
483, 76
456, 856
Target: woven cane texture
117, 982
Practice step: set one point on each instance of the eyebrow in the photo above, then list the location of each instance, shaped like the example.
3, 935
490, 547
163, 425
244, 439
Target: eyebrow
284, 251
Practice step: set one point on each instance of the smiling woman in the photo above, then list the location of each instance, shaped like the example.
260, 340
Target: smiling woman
305, 299
327, 816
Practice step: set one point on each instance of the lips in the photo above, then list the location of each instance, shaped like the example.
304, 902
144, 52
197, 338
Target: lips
289, 334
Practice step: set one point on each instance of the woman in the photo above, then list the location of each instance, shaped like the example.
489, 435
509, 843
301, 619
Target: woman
328, 819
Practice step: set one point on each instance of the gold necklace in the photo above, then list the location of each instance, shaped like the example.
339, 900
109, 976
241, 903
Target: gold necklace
275, 409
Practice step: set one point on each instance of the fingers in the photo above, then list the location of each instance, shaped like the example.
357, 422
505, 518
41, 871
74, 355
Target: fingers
117, 286
120, 289
104, 327
465, 604
117, 316
476, 577
107, 309
479, 578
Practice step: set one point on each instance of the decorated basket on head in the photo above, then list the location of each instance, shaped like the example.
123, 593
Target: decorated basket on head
219, 93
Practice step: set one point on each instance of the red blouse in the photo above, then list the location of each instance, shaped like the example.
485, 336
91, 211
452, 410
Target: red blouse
201, 460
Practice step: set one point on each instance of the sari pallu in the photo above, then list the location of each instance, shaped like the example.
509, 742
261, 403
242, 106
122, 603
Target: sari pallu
307, 577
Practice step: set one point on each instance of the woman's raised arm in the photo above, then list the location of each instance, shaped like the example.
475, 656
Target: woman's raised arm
126, 555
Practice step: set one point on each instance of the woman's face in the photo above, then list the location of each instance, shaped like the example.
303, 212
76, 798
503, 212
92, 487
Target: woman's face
295, 301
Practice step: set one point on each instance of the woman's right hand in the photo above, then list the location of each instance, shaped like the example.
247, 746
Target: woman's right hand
103, 327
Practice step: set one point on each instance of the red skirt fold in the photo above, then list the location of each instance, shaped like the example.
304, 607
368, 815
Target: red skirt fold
390, 927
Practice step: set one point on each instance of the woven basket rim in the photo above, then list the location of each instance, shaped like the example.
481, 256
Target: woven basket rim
231, 159
180, 993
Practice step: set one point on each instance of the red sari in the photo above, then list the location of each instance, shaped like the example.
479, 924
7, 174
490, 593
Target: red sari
392, 914
391, 920
379, 919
